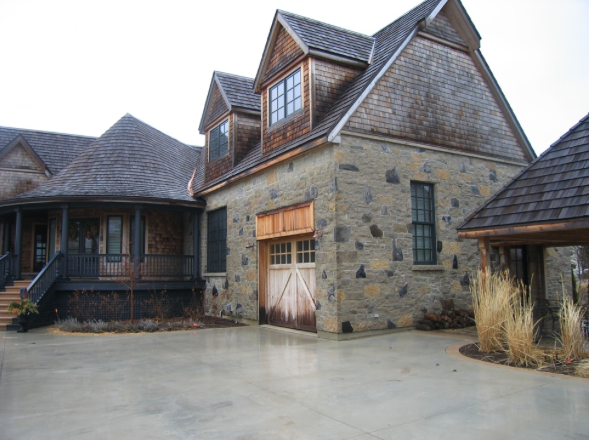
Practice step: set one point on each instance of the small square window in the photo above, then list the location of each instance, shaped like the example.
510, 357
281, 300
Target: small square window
285, 97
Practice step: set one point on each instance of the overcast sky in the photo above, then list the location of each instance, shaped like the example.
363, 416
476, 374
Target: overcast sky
78, 66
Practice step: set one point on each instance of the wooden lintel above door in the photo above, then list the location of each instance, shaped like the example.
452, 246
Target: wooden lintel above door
285, 222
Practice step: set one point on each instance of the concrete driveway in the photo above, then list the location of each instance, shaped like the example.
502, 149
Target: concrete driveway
263, 383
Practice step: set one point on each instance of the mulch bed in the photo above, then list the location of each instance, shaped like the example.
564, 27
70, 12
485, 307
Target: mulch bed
472, 351
215, 322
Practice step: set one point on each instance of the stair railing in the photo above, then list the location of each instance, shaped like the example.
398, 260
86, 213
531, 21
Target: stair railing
5, 269
44, 281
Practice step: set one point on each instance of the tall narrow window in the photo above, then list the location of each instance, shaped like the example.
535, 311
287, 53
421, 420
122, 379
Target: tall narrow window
114, 235
423, 219
217, 241
285, 97
219, 141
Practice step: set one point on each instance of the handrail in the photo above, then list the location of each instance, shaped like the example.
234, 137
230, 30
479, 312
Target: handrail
123, 265
5, 268
45, 279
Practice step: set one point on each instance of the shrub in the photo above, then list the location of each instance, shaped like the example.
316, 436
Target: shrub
68, 325
571, 337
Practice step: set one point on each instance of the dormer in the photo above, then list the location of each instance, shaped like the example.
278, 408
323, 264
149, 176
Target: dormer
230, 122
306, 66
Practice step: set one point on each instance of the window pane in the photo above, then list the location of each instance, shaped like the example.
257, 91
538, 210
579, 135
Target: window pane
281, 113
114, 235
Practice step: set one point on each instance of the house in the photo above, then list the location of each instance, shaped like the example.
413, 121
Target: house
526, 225
341, 218
329, 189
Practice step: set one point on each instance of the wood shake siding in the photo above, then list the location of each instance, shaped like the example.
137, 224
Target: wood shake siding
292, 126
286, 50
435, 94
331, 80
224, 163
216, 108
442, 27
247, 134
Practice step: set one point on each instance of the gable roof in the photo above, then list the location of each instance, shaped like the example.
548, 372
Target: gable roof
237, 93
553, 189
130, 161
389, 43
319, 39
55, 150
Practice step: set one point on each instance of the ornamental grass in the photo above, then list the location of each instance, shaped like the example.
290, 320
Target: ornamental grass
582, 369
570, 316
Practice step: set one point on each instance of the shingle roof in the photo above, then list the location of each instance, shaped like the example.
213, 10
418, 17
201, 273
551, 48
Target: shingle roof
555, 187
239, 90
387, 41
55, 149
331, 39
130, 160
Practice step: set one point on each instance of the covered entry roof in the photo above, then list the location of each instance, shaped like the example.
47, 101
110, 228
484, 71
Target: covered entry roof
548, 202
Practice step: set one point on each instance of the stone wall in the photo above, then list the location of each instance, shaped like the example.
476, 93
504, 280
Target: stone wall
558, 271
309, 177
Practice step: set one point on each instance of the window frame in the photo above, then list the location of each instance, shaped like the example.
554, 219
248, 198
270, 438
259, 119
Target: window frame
215, 152
283, 98
416, 222
217, 241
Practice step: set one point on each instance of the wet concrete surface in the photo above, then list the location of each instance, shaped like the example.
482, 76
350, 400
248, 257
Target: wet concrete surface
264, 383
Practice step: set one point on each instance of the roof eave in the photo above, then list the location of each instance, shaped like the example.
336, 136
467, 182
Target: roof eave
214, 80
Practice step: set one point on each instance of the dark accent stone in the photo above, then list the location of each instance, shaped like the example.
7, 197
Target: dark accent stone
426, 168
228, 251
244, 260
331, 294
333, 185
463, 168
367, 195
236, 218
341, 234
237, 278
385, 148
356, 147
447, 219
215, 292
493, 176
239, 306
348, 167
247, 218
312, 193
359, 246
397, 252
455, 262
347, 327
475, 190
321, 223
455, 203
361, 273
439, 246
465, 280
254, 233
317, 305
273, 193
241, 231
290, 167
421, 150
324, 275
226, 285
376, 231
403, 291
370, 309
391, 324
384, 210
366, 218
389, 273
392, 176
317, 244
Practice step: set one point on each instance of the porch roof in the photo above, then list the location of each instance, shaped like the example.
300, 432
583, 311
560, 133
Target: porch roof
548, 202
131, 161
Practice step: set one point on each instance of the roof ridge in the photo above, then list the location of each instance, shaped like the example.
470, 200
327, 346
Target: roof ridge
48, 132
147, 125
401, 17
323, 23
570, 131
234, 75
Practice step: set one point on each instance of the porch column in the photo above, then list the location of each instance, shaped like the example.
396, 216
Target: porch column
65, 220
195, 245
485, 249
18, 245
6, 242
137, 239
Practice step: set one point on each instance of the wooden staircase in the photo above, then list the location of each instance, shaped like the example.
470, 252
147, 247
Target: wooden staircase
11, 293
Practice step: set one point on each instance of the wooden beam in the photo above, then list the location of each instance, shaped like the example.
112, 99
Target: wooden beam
527, 229
485, 250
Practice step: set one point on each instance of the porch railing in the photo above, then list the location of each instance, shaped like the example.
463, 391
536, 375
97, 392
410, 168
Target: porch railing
45, 279
123, 265
5, 269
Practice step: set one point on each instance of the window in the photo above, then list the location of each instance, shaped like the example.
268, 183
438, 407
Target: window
217, 241
218, 141
285, 97
423, 219
281, 253
518, 263
306, 251
114, 237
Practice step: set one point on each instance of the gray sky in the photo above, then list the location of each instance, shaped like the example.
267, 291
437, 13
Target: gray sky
78, 66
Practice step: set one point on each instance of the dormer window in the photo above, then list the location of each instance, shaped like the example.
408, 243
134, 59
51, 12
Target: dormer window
218, 141
285, 97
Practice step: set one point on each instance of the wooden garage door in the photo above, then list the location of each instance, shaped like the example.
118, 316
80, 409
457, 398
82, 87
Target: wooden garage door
291, 283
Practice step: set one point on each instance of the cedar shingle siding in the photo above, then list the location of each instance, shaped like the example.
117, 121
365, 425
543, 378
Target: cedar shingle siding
217, 107
442, 27
224, 163
285, 52
331, 81
247, 135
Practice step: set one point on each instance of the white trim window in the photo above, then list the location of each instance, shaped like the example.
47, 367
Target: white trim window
285, 97
219, 141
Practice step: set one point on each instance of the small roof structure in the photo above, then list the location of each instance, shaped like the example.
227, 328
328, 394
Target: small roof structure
130, 162
547, 203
